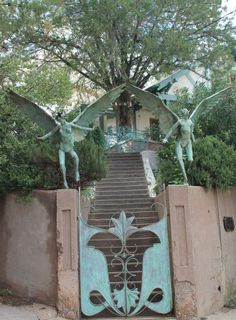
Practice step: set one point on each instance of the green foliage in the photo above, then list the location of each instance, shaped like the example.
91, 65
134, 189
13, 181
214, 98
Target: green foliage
154, 133
44, 84
110, 41
168, 170
214, 164
98, 137
220, 121
5, 292
92, 161
220, 116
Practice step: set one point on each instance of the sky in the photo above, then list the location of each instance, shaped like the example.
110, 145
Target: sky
231, 5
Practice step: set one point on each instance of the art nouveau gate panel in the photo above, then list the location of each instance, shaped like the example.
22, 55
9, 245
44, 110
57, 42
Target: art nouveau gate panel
125, 298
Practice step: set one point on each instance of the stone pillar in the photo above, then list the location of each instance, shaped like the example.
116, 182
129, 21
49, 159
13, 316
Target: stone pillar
182, 253
67, 244
196, 250
185, 297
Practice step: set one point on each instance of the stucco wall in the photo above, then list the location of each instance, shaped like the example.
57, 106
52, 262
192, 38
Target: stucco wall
227, 207
28, 263
203, 253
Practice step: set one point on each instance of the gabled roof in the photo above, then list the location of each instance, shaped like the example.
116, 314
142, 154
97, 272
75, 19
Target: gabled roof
163, 86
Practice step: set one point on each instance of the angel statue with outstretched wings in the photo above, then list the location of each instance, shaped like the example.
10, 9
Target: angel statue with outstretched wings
172, 125
66, 133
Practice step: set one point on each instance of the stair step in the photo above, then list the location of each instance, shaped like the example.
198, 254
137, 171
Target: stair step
138, 215
121, 207
117, 196
124, 164
135, 210
140, 182
123, 182
106, 220
125, 188
122, 154
121, 170
125, 176
121, 193
106, 225
127, 200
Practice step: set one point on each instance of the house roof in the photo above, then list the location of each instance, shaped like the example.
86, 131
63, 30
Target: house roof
162, 87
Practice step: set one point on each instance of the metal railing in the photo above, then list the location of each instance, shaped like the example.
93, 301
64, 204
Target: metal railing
125, 139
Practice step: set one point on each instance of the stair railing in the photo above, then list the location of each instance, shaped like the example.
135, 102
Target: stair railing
124, 139
151, 180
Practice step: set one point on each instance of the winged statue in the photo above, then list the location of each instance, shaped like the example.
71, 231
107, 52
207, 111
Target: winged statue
66, 133
172, 125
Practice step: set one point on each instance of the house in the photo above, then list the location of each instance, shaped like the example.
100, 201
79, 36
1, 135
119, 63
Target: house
166, 89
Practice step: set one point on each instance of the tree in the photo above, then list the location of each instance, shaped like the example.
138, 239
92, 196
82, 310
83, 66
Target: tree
108, 42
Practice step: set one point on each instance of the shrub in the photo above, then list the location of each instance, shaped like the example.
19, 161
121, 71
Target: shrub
214, 164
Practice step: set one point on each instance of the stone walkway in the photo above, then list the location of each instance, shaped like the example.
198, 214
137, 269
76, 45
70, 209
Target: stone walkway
224, 314
28, 312
41, 312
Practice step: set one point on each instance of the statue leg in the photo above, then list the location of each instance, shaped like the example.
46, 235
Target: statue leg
63, 166
179, 154
76, 164
189, 150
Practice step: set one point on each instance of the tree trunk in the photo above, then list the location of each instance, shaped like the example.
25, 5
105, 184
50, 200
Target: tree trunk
123, 110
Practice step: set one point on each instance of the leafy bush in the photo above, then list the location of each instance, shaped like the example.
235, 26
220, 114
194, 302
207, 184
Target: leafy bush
92, 161
214, 164
98, 137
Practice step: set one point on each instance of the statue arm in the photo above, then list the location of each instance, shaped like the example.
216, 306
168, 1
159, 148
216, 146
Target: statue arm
49, 134
170, 132
81, 128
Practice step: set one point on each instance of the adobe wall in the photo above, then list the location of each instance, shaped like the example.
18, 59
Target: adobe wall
227, 207
39, 250
203, 253
28, 249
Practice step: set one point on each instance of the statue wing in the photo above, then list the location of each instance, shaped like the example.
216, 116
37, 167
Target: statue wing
35, 112
79, 134
92, 111
156, 106
206, 104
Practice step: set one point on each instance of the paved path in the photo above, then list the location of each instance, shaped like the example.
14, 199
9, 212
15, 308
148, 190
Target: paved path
28, 312
41, 312
225, 314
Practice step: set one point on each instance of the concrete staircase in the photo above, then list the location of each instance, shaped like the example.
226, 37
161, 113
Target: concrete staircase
124, 188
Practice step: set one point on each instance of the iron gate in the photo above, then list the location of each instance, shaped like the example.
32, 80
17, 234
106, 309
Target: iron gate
125, 299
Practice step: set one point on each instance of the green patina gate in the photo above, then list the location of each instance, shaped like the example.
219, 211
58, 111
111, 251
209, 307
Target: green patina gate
125, 299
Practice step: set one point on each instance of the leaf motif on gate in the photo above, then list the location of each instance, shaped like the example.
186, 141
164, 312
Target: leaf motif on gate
126, 298
123, 227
